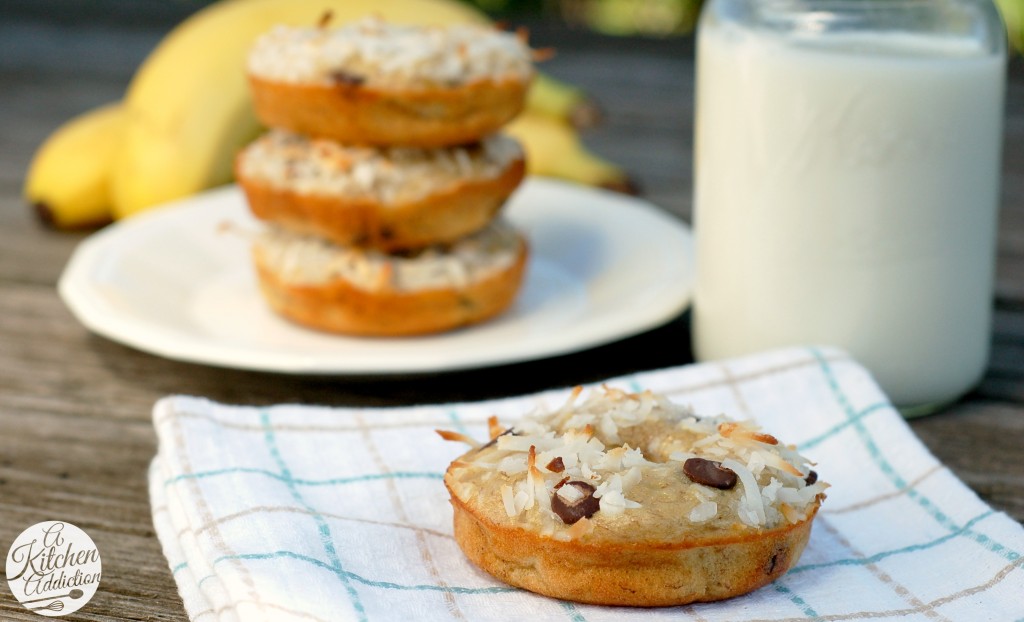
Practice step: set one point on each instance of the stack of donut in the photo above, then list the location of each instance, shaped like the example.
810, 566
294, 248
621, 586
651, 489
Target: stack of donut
383, 175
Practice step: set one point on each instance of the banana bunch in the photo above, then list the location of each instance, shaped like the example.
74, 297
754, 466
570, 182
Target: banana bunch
187, 111
68, 181
1013, 16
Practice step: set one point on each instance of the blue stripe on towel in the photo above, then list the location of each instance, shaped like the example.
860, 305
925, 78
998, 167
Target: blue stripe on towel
426, 587
889, 471
460, 427
796, 600
863, 561
322, 527
337, 481
839, 427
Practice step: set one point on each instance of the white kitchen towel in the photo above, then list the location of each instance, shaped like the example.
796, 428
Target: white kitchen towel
321, 514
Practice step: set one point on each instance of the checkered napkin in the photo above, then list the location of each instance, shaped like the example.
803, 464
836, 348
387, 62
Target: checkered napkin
322, 514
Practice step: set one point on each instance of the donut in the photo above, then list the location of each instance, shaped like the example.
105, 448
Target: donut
379, 83
629, 499
359, 291
387, 198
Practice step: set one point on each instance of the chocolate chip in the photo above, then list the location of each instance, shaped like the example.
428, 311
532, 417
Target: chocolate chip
709, 473
779, 562
406, 253
584, 507
494, 441
349, 79
811, 478
556, 465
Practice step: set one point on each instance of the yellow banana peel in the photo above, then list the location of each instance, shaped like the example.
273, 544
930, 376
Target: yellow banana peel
560, 100
1013, 16
188, 105
188, 111
68, 180
554, 149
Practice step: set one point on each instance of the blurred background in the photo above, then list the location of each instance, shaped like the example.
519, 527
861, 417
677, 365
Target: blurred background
649, 18
89, 49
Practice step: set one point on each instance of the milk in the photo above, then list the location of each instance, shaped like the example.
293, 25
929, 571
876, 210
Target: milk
846, 190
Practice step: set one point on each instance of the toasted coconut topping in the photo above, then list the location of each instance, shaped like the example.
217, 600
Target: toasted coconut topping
457, 436
389, 176
630, 449
579, 529
310, 260
391, 55
556, 465
739, 432
705, 510
494, 428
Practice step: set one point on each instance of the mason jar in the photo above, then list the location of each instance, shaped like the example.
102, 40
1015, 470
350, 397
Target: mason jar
846, 184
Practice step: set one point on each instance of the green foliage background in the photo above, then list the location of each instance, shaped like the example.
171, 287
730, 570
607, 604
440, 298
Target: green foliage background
669, 17
1013, 15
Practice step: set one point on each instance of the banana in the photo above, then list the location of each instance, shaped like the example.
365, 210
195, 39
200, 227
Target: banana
75, 189
68, 180
553, 148
187, 110
561, 100
1013, 16
188, 105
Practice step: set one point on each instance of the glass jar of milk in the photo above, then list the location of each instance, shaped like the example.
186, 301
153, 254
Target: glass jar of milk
847, 166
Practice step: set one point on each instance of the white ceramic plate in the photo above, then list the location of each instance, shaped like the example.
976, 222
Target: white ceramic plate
174, 283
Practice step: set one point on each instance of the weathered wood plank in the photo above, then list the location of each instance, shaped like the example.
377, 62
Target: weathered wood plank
978, 441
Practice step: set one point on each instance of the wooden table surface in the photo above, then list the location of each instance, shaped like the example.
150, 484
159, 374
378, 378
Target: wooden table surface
75, 431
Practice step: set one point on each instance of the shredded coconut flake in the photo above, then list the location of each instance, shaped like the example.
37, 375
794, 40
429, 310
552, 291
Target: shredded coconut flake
303, 259
767, 493
510, 465
508, 501
570, 494
378, 53
388, 175
614, 503
751, 506
770, 491
703, 512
